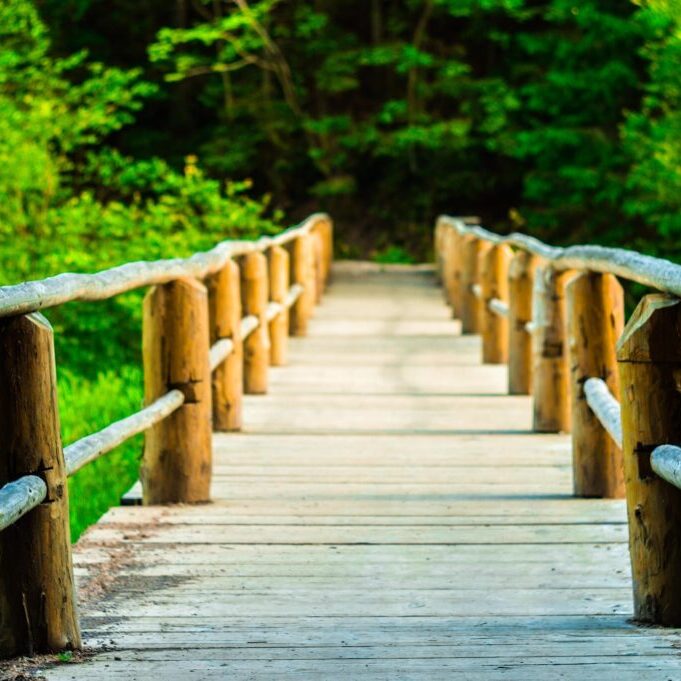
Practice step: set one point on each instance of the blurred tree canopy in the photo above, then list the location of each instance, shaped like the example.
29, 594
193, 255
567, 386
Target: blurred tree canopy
537, 114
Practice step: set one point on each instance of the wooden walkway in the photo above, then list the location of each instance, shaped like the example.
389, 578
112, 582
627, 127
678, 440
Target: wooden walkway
386, 514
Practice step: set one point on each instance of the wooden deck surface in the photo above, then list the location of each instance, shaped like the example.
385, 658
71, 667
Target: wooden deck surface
386, 514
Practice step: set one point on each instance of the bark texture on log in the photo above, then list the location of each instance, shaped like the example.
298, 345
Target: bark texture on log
177, 461
551, 370
521, 284
224, 300
254, 295
37, 599
595, 324
649, 357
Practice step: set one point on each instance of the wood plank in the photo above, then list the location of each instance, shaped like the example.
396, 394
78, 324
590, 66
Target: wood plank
385, 514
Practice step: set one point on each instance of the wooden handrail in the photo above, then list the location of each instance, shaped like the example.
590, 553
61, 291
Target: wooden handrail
93, 446
194, 365
19, 497
63, 288
577, 358
657, 273
605, 407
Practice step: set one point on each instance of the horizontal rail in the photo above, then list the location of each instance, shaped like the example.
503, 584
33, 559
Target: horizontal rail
19, 497
273, 310
63, 288
248, 325
293, 294
656, 273
220, 351
605, 407
666, 462
499, 307
91, 447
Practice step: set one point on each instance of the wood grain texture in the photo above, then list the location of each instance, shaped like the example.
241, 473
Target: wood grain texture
302, 274
471, 305
224, 303
37, 600
520, 284
386, 513
595, 323
176, 466
254, 295
649, 357
494, 277
278, 264
550, 368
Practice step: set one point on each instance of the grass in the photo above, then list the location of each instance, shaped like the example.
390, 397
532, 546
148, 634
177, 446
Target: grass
86, 406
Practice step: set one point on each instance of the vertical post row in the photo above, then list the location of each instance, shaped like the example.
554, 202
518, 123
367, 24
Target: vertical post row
521, 274
302, 273
551, 374
595, 323
177, 461
438, 250
495, 285
470, 304
224, 301
37, 600
649, 358
484, 248
447, 265
254, 295
278, 260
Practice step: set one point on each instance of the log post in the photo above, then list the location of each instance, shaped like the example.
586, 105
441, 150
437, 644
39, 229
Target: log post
449, 281
649, 360
254, 294
484, 248
278, 260
438, 234
456, 255
302, 273
224, 301
328, 250
496, 261
595, 322
470, 303
318, 263
37, 599
520, 284
551, 371
177, 462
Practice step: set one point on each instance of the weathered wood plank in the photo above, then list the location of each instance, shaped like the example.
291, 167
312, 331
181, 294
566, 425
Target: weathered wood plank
386, 513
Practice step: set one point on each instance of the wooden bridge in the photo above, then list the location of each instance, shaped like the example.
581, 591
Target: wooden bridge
387, 510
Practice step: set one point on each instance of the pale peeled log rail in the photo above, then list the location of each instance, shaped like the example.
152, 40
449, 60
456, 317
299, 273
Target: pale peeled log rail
93, 446
63, 288
248, 325
499, 307
220, 351
477, 290
666, 462
656, 273
605, 407
293, 294
19, 497
273, 309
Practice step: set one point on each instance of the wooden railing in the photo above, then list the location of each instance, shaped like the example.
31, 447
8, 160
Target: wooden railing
556, 316
213, 323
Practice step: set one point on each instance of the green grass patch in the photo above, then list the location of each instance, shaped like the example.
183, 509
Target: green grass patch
86, 406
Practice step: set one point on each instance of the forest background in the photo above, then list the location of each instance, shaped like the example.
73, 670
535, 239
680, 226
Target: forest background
135, 129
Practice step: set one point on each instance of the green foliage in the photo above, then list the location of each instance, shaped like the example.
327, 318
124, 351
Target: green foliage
652, 135
68, 202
